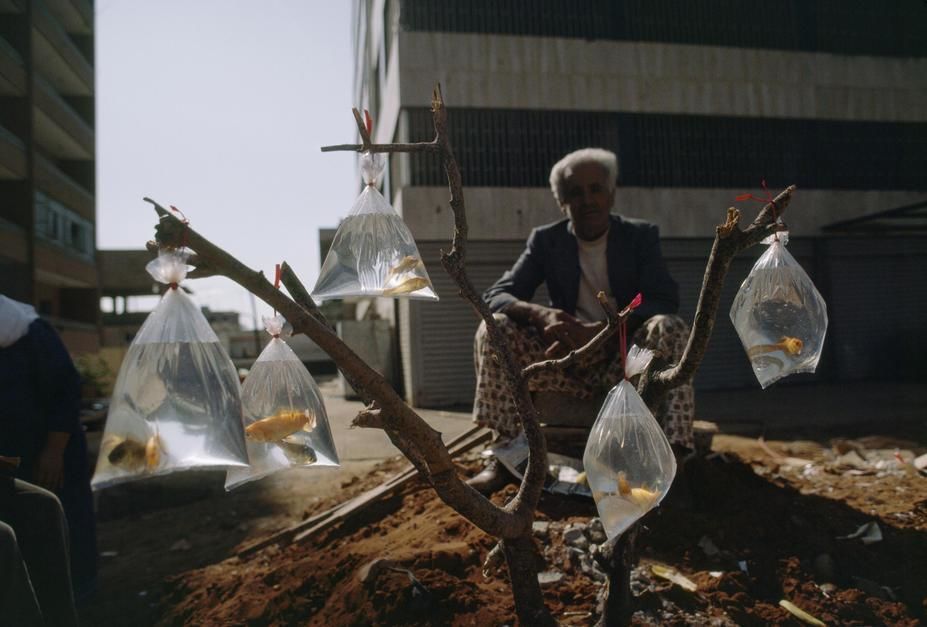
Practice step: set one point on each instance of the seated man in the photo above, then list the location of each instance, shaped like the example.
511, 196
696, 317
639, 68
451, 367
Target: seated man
589, 251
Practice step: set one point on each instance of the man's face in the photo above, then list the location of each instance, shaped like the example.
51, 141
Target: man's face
587, 200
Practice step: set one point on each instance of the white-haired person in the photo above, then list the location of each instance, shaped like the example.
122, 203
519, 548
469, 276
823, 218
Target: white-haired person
589, 250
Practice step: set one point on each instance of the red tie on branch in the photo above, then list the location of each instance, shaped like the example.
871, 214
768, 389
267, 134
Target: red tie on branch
623, 332
369, 123
769, 199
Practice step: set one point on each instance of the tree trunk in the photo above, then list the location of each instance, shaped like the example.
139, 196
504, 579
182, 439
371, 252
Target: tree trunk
617, 559
521, 556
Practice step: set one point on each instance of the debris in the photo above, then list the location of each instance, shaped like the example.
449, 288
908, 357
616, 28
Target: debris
421, 595
181, 545
716, 573
869, 533
550, 577
574, 535
921, 463
798, 462
800, 614
371, 569
672, 575
743, 566
853, 460
827, 589
109, 553
541, 529
596, 531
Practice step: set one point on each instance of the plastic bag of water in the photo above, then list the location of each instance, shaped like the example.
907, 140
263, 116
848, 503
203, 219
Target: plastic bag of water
176, 404
779, 315
284, 417
373, 253
628, 460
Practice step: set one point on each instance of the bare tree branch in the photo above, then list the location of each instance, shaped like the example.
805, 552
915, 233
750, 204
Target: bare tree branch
300, 295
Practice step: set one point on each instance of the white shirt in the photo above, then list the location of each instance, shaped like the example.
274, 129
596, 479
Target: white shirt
593, 278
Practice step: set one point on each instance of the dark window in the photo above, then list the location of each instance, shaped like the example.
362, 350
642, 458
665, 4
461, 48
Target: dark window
896, 28
516, 148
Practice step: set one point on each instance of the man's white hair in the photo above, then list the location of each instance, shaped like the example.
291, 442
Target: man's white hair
563, 169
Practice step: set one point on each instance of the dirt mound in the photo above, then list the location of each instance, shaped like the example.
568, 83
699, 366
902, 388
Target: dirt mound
749, 531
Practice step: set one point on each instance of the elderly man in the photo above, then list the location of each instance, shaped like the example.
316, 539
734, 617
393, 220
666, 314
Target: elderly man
588, 251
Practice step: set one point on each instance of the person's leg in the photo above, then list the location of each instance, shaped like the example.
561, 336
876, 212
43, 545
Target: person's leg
17, 598
42, 532
493, 405
668, 336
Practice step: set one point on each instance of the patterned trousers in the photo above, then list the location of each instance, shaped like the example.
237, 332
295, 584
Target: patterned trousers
493, 406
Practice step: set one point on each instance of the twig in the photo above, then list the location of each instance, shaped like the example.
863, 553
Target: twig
613, 319
416, 147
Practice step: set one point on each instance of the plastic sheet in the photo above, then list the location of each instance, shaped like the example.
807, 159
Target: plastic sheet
176, 403
779, 315
628, 459
284, 417
373, 253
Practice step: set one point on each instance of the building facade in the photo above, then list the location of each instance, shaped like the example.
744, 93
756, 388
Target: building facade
700, 100
47, 164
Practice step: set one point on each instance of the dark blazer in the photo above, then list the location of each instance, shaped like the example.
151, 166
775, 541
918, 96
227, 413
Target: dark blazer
635, 264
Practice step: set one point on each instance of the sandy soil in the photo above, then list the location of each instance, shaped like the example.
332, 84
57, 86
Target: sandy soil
771, 514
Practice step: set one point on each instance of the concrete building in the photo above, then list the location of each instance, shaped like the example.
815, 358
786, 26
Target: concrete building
47, 164
701, 102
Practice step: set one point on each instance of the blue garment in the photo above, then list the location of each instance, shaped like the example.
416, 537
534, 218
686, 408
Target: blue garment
39, 393
635, 265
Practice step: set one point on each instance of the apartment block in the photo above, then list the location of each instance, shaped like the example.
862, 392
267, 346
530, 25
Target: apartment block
47, 164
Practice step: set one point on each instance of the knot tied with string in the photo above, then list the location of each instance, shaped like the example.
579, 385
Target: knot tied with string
768, 200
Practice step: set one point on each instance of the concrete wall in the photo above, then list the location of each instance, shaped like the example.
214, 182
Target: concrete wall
499, 213
504, 71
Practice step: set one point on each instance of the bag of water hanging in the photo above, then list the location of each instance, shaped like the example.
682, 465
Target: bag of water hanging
284, 418
373, 253
779, 315
176, 403
628, 460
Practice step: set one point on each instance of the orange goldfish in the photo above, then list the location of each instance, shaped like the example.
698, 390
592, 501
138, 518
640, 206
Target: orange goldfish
285, 422
641, 497
133, 456
789, 345
409, 285
406, 264
153, 451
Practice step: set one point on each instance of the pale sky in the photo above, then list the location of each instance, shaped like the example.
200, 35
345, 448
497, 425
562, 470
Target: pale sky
219, 107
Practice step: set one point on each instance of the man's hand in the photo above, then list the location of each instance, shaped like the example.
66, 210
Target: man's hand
49, 467
566, 333
560, 331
